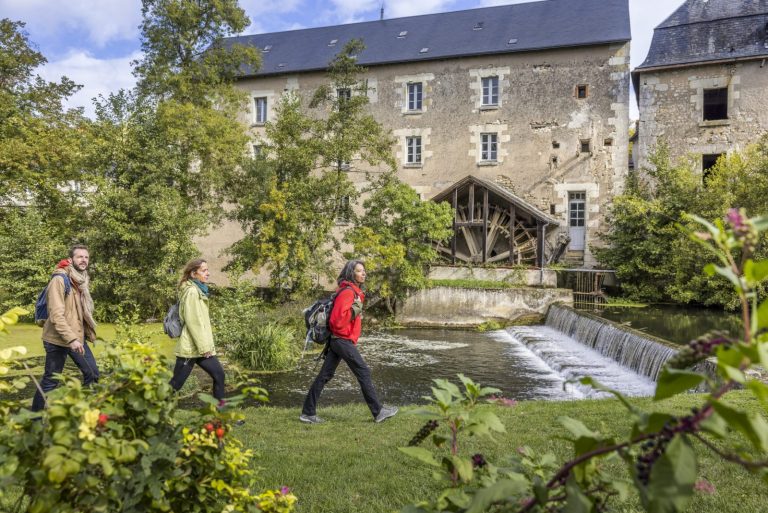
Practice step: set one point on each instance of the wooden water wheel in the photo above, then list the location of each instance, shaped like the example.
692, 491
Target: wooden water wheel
469, 244
491, 224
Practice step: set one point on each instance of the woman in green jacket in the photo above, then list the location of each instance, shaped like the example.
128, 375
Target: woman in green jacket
195, 345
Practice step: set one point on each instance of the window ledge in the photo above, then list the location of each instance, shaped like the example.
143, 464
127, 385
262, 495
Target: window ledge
714, 122
489, 107
256, 125
484, 163
413, 165
413, 112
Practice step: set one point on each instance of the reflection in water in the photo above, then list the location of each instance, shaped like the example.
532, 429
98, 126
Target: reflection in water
404, 363
677, 324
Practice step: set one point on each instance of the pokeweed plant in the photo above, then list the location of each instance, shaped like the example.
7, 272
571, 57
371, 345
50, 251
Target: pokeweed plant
658, 451
124, 445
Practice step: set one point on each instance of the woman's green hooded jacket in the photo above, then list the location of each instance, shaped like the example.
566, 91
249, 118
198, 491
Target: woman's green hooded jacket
196, 337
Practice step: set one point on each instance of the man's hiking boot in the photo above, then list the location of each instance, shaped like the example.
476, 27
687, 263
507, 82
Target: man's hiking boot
386, 412
310, 419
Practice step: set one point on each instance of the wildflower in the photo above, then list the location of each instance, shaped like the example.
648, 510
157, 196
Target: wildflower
503, 401
703, 235
704, 486
285, 490
90, 420
736, 218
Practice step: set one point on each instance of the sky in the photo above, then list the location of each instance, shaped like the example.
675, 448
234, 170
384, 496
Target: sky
94, 41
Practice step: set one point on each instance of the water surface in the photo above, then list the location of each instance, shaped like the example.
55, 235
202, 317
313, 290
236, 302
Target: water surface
404, 363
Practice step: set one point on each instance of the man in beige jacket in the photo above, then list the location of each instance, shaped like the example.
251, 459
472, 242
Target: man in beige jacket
70, 323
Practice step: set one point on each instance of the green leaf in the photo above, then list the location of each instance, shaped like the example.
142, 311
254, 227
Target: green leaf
462, 466
760, 391
577, 428
672, 478
715, 425
575, 500
650, 423
499, 492
588, 380
751, 425
760, 223
420, 454
762, 315
673, 381
756, 271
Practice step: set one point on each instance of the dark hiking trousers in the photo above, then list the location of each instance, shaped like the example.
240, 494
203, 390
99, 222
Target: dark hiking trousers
341, 349
55, 358
210, 365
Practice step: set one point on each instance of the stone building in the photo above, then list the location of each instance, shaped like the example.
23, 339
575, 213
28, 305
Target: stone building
531, 97
703, 88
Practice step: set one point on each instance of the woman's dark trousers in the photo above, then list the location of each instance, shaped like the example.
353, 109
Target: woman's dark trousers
341, 349
210, 365
55, 358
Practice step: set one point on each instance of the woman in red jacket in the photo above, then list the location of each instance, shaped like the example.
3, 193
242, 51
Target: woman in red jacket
345, 323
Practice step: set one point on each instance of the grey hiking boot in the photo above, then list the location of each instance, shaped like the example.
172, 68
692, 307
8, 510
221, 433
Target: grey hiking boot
310, 419
385, 413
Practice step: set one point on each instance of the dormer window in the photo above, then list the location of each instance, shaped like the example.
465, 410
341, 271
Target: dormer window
478, 25
333, 42
402, 34
267, 48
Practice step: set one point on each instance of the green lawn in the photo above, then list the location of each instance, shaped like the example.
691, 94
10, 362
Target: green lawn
350, 464
28, 335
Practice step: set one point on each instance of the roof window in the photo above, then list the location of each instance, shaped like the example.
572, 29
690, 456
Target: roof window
512, 41
478, 25
402, 34
267, 48
333, 42
281, 65
424, 50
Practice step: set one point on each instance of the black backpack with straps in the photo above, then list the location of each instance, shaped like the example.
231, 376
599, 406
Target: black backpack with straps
316, 318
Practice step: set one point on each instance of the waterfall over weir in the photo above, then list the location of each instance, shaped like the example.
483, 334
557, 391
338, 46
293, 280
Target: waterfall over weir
642, 355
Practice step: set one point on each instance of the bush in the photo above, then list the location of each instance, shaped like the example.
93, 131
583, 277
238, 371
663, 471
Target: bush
251, 333
121, 446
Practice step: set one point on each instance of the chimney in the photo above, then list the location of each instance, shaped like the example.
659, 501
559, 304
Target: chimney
381, 12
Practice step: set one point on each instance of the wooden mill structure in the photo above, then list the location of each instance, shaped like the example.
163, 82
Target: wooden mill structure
493, 225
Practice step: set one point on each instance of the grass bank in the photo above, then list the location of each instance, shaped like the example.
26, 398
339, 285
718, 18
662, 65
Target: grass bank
350, 464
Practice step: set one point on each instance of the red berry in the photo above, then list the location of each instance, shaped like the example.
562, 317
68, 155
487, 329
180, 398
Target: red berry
220, 432
209, 427
103, 418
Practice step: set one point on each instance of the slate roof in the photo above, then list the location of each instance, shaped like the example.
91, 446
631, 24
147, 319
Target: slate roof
490, 30
710, 30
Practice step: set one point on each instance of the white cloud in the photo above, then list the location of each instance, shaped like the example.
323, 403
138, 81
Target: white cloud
97, 76
399, 8
103, 21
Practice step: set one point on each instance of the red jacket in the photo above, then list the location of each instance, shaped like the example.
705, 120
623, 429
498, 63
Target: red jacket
341, 323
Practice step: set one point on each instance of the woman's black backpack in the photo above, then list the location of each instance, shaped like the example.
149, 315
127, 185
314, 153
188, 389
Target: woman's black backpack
316, 319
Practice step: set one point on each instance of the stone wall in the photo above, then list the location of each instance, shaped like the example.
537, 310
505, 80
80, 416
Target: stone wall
456, 308
670, 104
524, 277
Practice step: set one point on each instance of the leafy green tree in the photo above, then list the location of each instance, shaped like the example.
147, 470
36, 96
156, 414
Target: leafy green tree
39, 139
395, 236
652, 256
163, 154
289, 201
40, 159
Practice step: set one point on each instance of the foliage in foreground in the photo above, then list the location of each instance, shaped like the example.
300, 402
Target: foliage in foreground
658, 452
120, 445
653, 258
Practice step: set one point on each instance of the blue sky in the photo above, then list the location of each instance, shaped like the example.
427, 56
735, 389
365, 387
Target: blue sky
94, 41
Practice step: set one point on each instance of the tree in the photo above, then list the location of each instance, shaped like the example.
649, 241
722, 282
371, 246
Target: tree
289, 201
39, 139
164, 153
653, 257
396, 236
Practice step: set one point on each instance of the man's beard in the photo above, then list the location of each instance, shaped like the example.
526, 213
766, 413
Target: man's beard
80, 268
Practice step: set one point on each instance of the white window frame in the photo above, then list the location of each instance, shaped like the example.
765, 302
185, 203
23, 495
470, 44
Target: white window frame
413, 150
490, 91
260, 109
415, 91
489, 147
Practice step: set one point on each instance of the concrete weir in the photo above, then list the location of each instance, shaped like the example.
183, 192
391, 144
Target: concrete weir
466, 307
